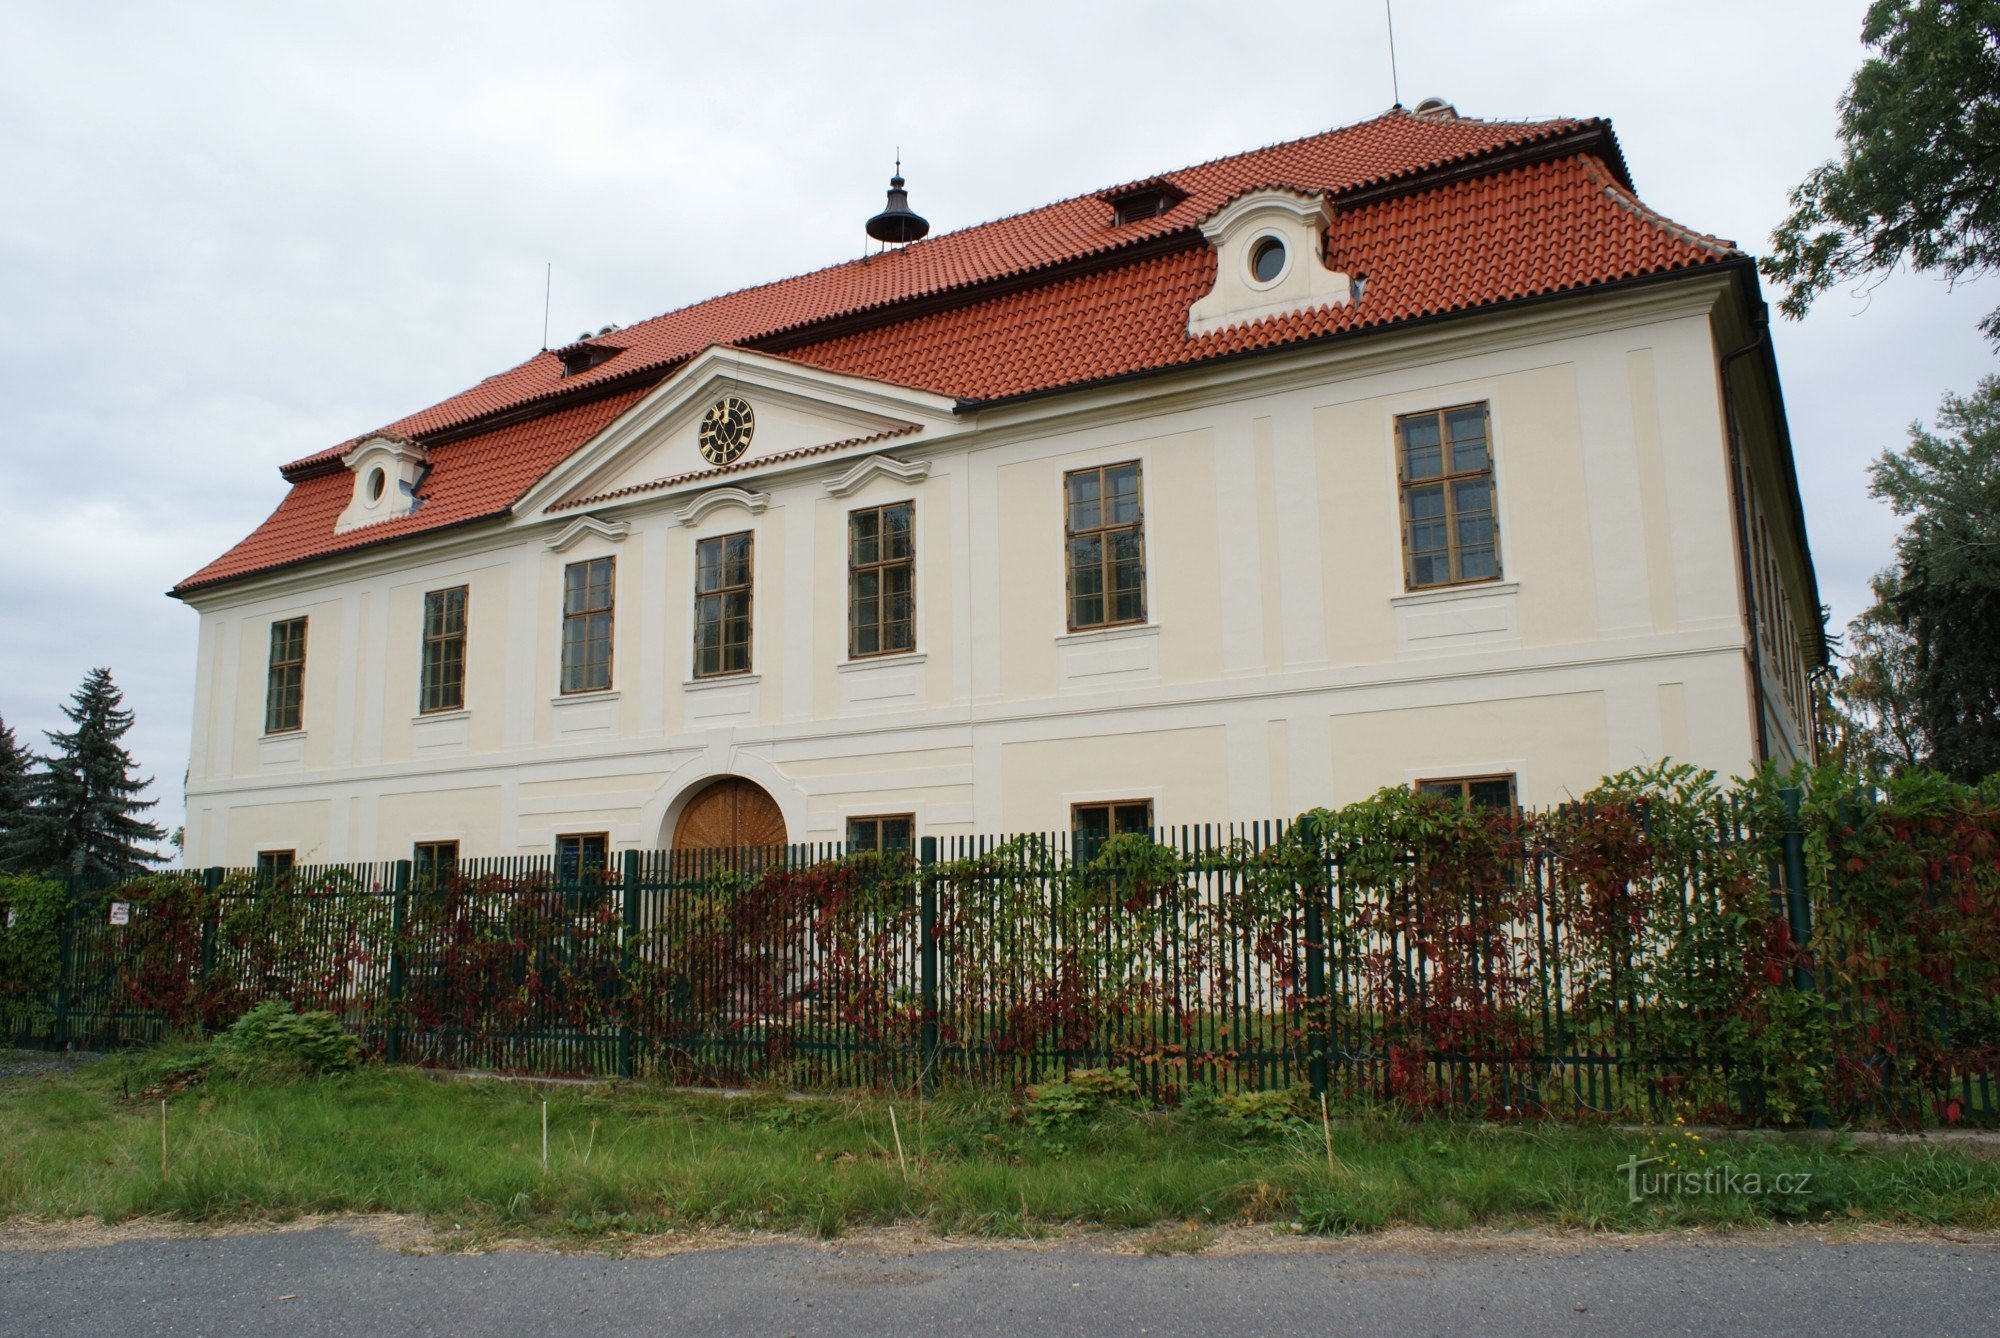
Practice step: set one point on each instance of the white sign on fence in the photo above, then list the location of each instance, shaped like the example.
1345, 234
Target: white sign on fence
121, 913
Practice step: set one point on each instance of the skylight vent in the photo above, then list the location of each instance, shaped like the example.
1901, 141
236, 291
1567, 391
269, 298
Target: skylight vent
1147, 199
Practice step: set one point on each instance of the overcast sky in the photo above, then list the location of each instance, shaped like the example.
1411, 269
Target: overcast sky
231, 235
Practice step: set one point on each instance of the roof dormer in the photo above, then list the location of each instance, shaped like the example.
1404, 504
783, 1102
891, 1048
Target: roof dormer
387, 468
1270, 260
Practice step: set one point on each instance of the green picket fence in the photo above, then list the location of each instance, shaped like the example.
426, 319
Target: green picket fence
1536, 974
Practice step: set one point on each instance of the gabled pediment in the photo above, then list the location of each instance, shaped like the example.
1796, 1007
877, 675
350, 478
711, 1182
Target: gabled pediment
777, 414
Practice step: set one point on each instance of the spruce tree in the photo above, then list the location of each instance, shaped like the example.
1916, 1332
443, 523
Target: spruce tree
84, 805
16, 763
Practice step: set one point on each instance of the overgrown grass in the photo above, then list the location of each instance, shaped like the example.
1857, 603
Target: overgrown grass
634, 1159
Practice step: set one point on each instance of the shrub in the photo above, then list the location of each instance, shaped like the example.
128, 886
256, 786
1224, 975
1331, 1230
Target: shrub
1054, 1107
272, 1040
1268, 1114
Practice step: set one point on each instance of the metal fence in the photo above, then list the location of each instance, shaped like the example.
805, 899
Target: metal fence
1213, 958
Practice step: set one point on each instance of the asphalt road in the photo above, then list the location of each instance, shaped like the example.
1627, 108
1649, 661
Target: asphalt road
327, 1281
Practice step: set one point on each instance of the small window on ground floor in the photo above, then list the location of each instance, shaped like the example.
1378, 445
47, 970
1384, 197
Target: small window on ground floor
881, 832
275, 864
1479, 791
434, 860
1093, 824
582, 854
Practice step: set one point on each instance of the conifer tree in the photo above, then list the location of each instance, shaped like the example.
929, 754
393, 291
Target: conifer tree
16, 763
84, 805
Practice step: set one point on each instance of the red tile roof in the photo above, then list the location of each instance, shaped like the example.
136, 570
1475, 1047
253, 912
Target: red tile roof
1441, 214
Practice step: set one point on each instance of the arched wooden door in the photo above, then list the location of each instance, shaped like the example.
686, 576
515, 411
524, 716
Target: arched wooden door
728, 814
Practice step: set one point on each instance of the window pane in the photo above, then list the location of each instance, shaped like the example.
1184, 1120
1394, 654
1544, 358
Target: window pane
1477, 564
1133, 818
863, 535
896, 833
1430, 569
1084, 511
1466, 429
1423, 456
896, 522
1122, 484
1495, 792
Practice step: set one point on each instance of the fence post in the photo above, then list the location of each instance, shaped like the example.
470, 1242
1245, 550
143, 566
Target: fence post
1316, 990
1798, 905
628, 949
927, 954
66, 941
211, 883
399, 916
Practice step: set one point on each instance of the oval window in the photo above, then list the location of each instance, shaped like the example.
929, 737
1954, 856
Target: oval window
1267, 260
377, 482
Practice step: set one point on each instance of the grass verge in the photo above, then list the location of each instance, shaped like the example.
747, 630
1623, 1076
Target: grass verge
634, 1160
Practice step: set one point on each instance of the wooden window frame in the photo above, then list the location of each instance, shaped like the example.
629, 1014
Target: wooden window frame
443, 649
275, 866
285, 680
417, 855
609, 612
720, 594
1465, 784
878, 819
602, 838
1111, 806
1103, 531
880, 567
1446, 480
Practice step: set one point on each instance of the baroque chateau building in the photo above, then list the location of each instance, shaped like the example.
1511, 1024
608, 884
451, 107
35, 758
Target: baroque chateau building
1418, 452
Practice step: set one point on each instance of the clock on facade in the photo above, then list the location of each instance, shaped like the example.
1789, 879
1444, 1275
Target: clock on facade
726, 430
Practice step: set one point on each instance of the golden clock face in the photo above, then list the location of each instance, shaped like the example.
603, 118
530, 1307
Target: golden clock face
726, 429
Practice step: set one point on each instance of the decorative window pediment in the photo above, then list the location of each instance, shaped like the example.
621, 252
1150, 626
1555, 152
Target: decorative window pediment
1270, 260
753, 502
387, 468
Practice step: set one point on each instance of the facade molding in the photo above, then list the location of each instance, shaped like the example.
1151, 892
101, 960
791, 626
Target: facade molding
852, 480
753, 502
571, 534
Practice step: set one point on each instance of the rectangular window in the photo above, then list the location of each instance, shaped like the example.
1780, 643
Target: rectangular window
722, 605
285, 689
1445, 468
881, 578
1091, 825
880, 833
434, 860
443, 686
586, 633
1106, 546
1479, 791
276, 864
582, 855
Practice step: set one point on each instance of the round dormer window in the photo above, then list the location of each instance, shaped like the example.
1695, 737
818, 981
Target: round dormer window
377, 484
1267, 260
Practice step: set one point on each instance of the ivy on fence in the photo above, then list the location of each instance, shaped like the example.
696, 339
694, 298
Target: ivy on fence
1637, 951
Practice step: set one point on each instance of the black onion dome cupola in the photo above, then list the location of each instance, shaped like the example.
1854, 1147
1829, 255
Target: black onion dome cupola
898, 223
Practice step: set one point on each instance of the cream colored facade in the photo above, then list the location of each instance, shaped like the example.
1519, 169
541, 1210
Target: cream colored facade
1282, 664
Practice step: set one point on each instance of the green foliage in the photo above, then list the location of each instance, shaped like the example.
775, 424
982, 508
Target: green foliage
1917, 180
1868, 714
1940, 662
1267, 1113
272, 1039
16, 764
1078, 1100
82, 818
31, 917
